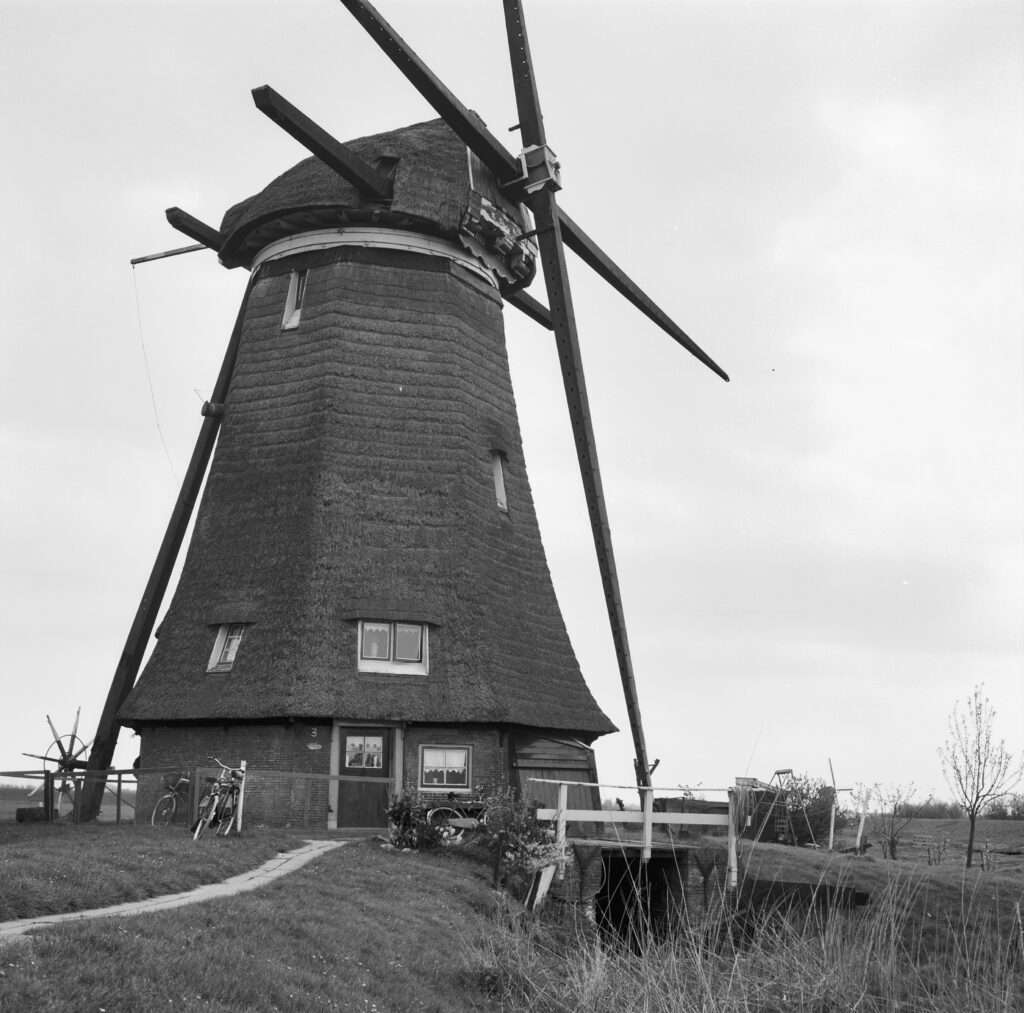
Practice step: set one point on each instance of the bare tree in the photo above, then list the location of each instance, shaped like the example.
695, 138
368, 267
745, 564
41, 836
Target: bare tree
977, 767
894, 815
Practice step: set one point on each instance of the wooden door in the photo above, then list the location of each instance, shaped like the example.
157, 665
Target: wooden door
365, 784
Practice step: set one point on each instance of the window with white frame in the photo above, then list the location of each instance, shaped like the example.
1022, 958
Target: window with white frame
447, 767
498, 471
293, 304
393, 647
225, 647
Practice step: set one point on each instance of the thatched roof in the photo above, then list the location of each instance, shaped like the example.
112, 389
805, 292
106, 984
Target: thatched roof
353, 479
431, 174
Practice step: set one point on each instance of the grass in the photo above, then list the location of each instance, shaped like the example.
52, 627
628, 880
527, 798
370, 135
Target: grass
366, 929
52, 868
358, 929
923, 943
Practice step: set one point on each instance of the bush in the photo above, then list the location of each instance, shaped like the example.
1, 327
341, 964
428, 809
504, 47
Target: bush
408, 826
518, 843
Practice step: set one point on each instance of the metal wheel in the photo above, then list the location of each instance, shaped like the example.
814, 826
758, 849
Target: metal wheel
444, 819
164, 810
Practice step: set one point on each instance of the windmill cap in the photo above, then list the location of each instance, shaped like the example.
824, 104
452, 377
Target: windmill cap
438, 188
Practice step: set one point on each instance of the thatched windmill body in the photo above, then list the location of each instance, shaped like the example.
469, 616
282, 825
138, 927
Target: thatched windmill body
366, 594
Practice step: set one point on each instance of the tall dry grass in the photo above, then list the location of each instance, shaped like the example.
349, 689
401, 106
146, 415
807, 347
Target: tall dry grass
892, 955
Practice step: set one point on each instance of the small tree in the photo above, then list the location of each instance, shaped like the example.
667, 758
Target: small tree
977, 767
893, 816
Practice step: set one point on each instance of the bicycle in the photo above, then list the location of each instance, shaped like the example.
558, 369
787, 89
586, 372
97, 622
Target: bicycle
221, 804
167, 804
455, 817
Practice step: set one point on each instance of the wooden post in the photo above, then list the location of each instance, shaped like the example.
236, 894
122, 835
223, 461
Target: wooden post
105, 740
732, 880
647, 834
563, 804
832, 824
117, 811
241, 798
860, 829
48, 795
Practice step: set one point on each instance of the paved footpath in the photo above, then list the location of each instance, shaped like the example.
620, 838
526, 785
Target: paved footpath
284, 863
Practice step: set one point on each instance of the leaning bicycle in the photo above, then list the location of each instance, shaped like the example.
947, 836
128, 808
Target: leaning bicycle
167, 804
221, 805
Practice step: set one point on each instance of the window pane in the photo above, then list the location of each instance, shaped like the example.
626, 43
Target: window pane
354, 750
433, 766
456, 767
408, 642
376, 645
232, 639
498, 469
373, 751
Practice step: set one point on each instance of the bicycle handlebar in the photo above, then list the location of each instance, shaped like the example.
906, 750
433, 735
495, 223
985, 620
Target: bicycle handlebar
234, 771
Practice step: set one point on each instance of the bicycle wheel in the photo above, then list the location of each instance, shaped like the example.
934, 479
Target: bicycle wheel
228, 812
207, 812
164, 810
443, 819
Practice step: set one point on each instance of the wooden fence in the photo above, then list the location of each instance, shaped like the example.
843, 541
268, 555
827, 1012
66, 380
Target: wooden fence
562, 815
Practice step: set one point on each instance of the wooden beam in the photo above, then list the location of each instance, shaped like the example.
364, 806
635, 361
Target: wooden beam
467, 124
588, 251
145, 616
194, 228
534, 309
337, 156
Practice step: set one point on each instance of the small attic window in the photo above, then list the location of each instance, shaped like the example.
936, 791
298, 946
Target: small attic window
394, 648
498, 471
225, 647
293, 304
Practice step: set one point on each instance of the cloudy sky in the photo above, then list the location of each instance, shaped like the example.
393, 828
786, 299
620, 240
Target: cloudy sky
817, 560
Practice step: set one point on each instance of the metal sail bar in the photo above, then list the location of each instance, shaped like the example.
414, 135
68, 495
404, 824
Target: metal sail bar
533, 308
542, 202
592, 254
506, 167
467, 125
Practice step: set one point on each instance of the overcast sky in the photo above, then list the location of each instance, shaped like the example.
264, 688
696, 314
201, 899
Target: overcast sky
817, 560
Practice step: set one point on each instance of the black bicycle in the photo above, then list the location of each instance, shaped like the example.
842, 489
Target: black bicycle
167, 804
220, 805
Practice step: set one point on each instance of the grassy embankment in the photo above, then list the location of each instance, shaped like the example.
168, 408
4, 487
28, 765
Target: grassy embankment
367, 929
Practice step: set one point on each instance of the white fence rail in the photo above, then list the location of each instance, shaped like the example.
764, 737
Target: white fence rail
562, 815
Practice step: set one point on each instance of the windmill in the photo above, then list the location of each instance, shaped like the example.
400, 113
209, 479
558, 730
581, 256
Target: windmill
316, 240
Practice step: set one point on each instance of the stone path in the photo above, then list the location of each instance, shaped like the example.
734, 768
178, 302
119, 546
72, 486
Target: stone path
284, 863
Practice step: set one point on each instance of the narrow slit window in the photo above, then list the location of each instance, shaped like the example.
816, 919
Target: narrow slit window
498, 470
296, 295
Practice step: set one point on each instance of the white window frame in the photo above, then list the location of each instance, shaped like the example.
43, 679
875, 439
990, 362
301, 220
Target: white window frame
298, 281
389, 666
498, 472
219, 662
446, 788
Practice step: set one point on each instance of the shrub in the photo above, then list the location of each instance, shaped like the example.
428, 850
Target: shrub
408, 826
518, 842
